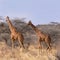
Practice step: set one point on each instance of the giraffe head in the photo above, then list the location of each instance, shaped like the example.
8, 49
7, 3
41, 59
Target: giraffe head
7, 18
29, 23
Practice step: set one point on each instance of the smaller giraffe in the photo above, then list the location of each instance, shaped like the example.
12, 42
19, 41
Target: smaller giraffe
41, 36
14, 34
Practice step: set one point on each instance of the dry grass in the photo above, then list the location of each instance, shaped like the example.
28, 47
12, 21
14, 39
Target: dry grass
6, 53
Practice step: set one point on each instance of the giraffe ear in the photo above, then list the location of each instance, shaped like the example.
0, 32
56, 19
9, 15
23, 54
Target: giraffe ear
30, 21
7, 16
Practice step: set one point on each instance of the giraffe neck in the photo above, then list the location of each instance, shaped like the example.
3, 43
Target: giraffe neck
38, 32
11, 27
35, 28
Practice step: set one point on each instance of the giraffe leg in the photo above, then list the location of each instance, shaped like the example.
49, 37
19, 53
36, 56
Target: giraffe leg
48, 44
40, 47
12, 39
39, 43
12, 45
21, 43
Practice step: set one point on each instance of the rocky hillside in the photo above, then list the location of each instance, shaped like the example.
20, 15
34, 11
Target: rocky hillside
30, 42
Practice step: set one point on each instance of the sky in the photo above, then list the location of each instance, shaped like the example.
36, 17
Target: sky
38, 11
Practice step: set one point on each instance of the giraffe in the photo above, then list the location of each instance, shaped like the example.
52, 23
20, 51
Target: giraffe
41, 36
14, 34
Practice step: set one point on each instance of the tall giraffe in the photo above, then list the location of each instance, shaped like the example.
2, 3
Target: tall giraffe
41, 36
14, 34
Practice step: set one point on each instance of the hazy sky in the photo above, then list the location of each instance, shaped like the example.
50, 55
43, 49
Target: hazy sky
38, 11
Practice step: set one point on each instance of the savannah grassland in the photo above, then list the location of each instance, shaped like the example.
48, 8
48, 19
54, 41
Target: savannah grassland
31, 52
